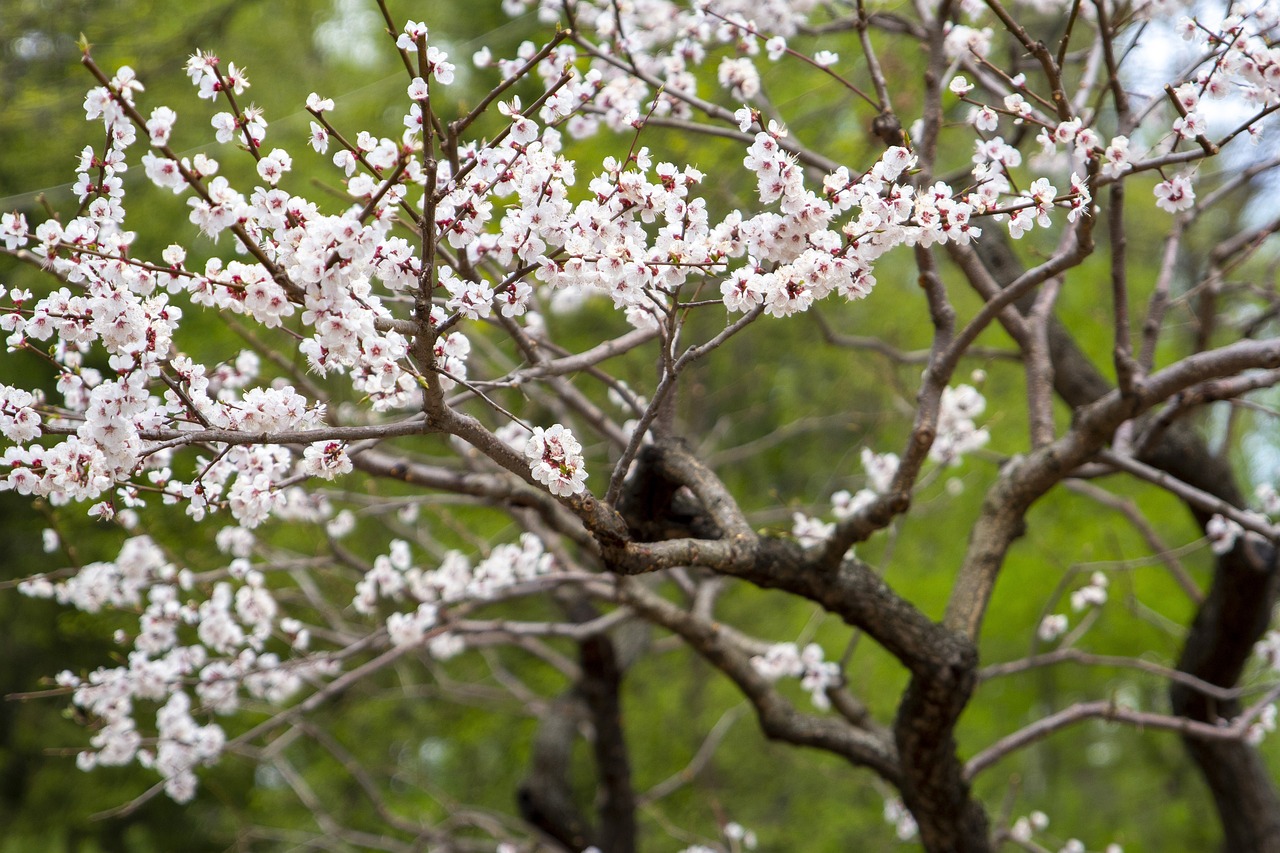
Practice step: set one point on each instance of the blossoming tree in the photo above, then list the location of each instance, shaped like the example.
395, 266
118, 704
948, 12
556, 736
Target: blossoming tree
414, 359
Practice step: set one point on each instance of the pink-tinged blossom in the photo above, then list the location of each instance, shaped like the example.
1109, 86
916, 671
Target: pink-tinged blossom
740, 77
1175, 194
326, 459
1019, 106
414, 32
164, 173
1117, 158
272, 167
1065, 132
996, 150
1188, 95
346, 161
1189, 126
1080, 201
439, 66
472, 299
160, 125
255, 125
126, 82
98, 104
319, 138
555, 459
418, 90
894, 162
13, 230
985, 119
317, 104
224, 125
962, 41
1042, 193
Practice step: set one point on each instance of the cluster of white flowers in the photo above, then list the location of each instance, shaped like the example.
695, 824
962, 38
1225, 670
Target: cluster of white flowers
787, 660
810, 531
1092, 594
214, 647
19, 421
881, 468
393, 576
957, 432
326, 459
438, 64
899, 817
957, 435
124, 307
555, 458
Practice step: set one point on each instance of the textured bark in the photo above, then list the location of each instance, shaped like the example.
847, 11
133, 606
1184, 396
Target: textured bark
671, 494
934, 789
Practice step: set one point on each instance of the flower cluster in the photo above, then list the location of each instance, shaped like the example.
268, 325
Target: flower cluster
393, 576
881, 468
214, 648
899, 817
810, 531
957, 432
787, 660
1092, 594
555, 459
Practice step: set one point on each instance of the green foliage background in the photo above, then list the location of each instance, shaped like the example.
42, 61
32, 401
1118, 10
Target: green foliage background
1098, 782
